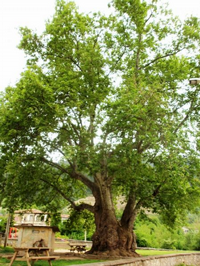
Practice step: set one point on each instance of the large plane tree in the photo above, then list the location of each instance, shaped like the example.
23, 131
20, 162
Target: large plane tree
105, 107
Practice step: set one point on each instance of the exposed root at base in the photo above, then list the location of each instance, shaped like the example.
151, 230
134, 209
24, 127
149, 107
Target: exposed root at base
118, 253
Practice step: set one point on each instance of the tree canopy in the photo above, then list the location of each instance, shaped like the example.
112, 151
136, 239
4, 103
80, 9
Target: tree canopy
105, 106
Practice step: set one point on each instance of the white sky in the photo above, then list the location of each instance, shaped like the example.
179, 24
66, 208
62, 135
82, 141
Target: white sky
34, 13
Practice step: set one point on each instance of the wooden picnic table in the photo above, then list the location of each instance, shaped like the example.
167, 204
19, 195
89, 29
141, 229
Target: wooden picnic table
33, 254
78, 247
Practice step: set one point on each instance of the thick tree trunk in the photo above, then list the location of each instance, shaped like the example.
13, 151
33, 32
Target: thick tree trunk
111, 237
113, 240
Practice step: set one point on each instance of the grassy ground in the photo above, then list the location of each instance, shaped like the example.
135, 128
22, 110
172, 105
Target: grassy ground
62, 262
145, 252
5, 262
6, 250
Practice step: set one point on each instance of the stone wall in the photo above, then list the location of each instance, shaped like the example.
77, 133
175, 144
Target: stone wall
192, 259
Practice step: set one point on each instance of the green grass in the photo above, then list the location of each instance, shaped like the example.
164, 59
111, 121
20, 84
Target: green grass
154, 252
6, 250
61, 262
45, 263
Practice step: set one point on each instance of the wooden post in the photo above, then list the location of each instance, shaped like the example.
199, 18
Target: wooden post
7, 230
85, 235
0, 239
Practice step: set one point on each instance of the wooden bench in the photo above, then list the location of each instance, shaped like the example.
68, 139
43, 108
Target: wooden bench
44, 258
34, 258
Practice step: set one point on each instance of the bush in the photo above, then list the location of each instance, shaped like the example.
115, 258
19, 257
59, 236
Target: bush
169, 244
151, 232
142, 242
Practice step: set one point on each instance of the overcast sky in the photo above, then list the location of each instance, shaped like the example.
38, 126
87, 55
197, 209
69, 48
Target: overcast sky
34, 13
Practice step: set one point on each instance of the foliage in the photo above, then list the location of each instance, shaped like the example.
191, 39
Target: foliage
55, 219
77, 224
3, 221
192, 239
104, 106
151, 232
59, 236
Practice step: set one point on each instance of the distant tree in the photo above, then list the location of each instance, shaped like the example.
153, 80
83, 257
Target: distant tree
105, 105
3, 221
77, 224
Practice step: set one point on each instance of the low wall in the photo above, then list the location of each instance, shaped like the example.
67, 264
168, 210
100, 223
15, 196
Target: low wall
60, 244
192, 259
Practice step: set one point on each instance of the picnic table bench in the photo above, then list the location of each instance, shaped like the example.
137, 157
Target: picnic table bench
33, 254
77, 247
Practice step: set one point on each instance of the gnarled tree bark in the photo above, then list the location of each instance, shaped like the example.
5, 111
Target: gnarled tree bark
112, 237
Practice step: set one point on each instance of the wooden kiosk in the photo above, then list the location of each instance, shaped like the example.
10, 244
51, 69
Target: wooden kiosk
34, 243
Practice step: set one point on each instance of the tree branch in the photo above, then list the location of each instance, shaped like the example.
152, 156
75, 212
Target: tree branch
73, 173
80, 207
55, 165
186, 117
161, 57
